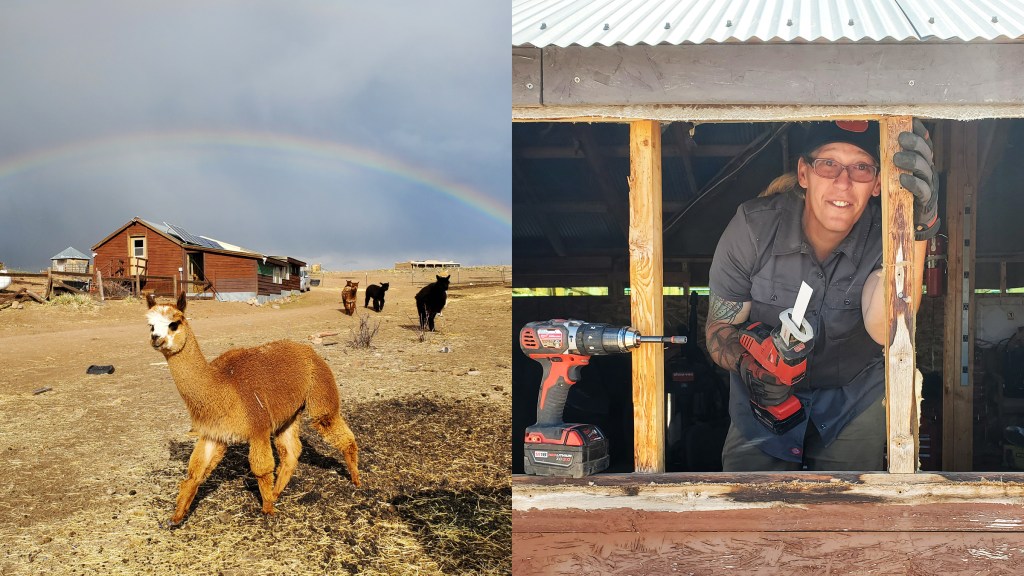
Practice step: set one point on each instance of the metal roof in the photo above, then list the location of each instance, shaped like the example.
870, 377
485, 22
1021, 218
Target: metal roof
70, 253
541, 23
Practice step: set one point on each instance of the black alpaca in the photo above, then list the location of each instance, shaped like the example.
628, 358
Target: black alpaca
430, 300
377, 293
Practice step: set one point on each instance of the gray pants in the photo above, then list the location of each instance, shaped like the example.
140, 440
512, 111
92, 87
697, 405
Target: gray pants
859, 447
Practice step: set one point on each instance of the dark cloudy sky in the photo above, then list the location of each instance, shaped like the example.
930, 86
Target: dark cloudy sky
354, 134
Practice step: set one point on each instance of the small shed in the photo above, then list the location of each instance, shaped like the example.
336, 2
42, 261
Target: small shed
638, 128
161, 255
70, 260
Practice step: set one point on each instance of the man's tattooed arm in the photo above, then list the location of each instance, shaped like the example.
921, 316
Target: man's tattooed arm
721, 333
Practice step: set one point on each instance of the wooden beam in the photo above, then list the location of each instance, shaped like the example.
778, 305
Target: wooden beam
814, 74
958, 350
742, 552
898, 263
646, 303
756, 500
526, 77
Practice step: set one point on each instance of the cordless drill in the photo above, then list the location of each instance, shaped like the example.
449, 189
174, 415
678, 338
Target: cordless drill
782, 352
563, 347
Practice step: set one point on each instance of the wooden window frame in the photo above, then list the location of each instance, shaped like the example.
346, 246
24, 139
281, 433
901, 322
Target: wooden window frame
646, 521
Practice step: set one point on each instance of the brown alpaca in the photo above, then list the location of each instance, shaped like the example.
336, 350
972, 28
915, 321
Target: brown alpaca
249, 395
348, 296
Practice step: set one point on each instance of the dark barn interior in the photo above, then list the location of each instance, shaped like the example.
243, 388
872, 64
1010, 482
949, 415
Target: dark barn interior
570, 229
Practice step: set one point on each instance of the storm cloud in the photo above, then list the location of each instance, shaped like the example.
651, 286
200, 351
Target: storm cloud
350, 134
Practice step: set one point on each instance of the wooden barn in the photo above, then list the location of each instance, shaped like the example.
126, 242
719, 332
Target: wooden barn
203, 266
639, 126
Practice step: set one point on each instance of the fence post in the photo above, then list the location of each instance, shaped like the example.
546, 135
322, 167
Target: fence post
99, 282
174, 286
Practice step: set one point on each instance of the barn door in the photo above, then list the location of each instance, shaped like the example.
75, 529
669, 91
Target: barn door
137, 258
195, 268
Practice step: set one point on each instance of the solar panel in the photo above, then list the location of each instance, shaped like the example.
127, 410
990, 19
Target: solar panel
211, 243
190, 238
185, 235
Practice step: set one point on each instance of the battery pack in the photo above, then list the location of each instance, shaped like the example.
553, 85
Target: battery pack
572, 450
775, 425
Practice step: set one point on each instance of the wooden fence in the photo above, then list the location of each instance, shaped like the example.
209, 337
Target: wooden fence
460, 277
46, 285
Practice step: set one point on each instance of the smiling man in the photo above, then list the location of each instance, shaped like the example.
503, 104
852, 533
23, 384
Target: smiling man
826, 231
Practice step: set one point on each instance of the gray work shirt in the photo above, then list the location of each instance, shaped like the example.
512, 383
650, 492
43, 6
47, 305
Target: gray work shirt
761, 258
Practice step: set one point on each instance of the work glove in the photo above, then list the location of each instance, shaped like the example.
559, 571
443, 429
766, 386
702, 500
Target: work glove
763, 387
916, 157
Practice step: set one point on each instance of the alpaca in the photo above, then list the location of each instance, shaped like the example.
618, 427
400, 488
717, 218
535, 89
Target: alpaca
348, 296
249, 395
377, 293
431, 299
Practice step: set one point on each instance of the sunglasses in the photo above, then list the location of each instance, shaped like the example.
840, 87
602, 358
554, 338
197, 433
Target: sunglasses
830, 169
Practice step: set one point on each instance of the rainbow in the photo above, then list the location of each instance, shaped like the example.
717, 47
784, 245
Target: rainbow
308, 148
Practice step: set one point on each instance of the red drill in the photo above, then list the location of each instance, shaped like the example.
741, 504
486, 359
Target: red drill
563, 347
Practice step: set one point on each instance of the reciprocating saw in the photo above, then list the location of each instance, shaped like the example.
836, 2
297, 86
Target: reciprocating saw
782, 352
563, 348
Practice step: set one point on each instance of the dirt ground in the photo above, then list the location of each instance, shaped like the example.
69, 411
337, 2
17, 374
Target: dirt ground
89, 469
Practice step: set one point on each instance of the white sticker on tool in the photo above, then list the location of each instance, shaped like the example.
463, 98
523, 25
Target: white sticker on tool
550, 338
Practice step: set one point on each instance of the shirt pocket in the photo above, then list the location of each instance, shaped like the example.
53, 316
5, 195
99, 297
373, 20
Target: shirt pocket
769, 298
844, 318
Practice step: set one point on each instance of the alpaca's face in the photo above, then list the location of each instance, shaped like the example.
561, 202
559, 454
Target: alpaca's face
166, 329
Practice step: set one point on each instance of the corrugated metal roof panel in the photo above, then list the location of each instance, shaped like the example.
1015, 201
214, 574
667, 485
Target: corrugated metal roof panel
966, 20
563, 23
70, 253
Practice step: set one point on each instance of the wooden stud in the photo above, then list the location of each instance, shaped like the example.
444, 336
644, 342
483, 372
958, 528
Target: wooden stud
646, 301
961, 204
897, 261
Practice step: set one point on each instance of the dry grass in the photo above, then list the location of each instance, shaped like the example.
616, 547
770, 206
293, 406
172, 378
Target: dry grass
436, 499
91, 468
74, 301
363, 335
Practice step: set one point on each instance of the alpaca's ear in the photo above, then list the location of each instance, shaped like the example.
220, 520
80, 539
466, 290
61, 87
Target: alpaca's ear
150, 301
182, 300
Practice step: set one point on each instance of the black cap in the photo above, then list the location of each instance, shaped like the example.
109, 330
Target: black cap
861, 133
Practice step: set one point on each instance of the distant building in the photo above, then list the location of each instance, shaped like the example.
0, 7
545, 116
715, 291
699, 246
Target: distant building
426, 264
70, 260
201, 264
